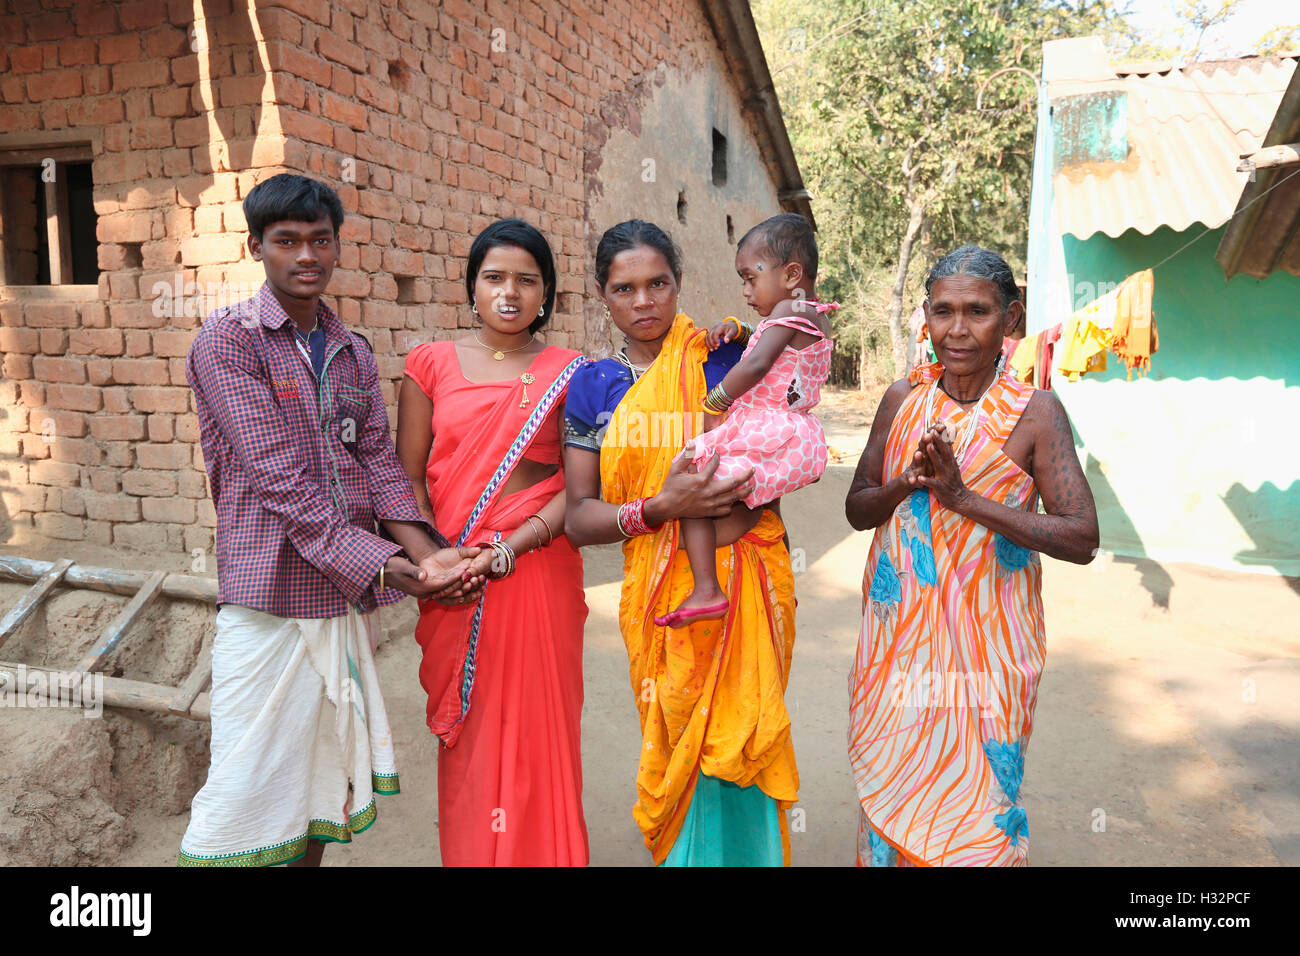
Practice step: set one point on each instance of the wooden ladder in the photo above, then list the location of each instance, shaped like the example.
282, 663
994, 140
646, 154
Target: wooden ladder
187, 700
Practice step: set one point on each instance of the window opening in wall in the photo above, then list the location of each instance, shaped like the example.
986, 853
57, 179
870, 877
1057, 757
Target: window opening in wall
681, 207
47, 217
719, 159
731, 232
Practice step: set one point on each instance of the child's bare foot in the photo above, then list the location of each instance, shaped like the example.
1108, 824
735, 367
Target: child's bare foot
699, 606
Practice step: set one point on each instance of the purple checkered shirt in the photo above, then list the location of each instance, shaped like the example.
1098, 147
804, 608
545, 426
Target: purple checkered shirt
299, 471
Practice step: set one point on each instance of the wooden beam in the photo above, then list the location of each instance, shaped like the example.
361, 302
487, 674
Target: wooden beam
58, 227
147, 594
121, 692
1270, 156
32, 599
194, 685
114, 581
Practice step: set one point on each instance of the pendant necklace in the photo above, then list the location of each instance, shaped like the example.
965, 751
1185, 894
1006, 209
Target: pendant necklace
635, 371
500, 354
959, 443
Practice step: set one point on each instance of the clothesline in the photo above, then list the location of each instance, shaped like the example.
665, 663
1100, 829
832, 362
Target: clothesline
1208, 230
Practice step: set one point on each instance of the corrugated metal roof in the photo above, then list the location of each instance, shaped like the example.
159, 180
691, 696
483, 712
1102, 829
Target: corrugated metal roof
1185, 130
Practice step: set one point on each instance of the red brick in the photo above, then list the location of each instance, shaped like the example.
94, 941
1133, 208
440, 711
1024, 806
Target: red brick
95, 342
56, 85
160, 428
207, 250
24, 341
143, 14
172, 343
98, 111
53, 425
112, 507
165, 457
157, 484
140, 371
60, 473
240, 90
173, 510
343, 110
305, 126
49, 26
52, 315
117, 427
105, 480
54, 341
166, 41
143, 73
154, 133
133, 226
26, 59
333, 47
165, 399
122, 48
63, 527
59, 369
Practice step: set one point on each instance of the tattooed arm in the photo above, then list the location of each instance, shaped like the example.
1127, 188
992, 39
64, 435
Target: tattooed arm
1069, 529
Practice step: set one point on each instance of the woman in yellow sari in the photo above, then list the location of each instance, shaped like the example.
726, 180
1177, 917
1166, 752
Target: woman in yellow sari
945, 680
717, 769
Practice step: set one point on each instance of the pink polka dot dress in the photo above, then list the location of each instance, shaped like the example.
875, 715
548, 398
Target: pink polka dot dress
783, 442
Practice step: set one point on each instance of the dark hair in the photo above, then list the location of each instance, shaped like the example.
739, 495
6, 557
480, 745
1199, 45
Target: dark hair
787, 238
515, 232
630, 235
288, 196
977, 263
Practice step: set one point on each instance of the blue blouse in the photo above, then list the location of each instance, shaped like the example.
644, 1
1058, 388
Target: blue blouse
596, 389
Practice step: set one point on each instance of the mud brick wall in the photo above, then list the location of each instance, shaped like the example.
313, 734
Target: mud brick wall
431, 120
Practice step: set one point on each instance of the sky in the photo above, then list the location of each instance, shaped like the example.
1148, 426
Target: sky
1255, 19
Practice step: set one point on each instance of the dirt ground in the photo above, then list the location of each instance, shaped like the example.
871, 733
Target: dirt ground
1167, 729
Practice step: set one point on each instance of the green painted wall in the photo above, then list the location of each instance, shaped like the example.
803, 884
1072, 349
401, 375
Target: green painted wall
1200, 460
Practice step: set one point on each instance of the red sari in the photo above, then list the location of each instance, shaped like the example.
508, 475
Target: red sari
505, 691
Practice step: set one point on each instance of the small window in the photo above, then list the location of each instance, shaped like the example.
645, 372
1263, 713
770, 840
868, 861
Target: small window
47, 217
719, 159
681, 207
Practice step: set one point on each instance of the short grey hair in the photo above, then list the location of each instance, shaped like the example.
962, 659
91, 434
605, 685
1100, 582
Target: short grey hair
978, 263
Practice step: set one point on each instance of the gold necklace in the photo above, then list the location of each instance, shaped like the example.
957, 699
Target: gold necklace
500, 354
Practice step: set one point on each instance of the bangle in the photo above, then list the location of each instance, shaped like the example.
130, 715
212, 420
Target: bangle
743, 331
631, 518
381, 575
529, 519
550, 535
618, 519
718, 401
505, 556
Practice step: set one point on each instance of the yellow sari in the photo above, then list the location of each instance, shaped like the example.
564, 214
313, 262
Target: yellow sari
711, 696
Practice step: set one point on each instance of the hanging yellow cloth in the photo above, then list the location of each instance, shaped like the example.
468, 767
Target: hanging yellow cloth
1022, 359
1134, 338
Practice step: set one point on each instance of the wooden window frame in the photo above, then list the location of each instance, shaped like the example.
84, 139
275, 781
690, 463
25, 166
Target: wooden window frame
32, 149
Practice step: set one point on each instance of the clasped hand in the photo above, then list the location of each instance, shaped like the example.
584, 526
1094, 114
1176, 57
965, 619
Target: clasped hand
448, 576
934, 467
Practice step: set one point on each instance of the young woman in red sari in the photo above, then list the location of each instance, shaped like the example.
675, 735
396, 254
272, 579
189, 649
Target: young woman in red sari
479, 434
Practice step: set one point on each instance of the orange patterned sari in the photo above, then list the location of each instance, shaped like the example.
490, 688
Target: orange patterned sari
712, 695
946, 675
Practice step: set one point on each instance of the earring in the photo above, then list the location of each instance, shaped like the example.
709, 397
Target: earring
541, 313
607, 316
473, 306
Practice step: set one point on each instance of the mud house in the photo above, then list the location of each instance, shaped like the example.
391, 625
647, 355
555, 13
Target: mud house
131, 131
1136, 169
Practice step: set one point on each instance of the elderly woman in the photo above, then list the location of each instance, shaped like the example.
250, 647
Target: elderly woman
717, 767
946, 675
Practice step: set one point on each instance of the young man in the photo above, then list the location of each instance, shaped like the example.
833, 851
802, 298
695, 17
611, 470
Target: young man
301, 465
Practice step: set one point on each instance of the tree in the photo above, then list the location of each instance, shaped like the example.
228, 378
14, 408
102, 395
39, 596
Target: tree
900, 135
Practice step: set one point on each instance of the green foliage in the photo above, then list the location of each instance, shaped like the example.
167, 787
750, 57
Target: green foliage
884, 107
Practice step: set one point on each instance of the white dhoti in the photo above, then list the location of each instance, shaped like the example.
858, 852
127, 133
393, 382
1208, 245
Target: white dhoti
300, 740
